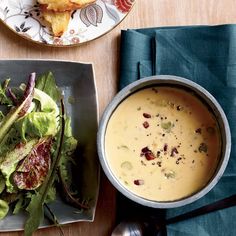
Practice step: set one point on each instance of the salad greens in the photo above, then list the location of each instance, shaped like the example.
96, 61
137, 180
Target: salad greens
40, 123
19, 110
36, 147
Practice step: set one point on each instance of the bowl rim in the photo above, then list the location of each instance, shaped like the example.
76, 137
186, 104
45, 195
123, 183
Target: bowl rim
152, 81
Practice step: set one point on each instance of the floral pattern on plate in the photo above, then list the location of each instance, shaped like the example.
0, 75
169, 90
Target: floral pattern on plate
23, 17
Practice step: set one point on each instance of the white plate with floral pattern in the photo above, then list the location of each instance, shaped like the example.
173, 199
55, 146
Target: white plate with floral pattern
89, 23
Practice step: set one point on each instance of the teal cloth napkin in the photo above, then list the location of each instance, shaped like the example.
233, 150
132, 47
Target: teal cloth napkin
206, 55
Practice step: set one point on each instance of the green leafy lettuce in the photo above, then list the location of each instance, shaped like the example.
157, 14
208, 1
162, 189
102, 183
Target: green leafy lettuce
9, 142
40, 123
4, 99
4, 208
47, 84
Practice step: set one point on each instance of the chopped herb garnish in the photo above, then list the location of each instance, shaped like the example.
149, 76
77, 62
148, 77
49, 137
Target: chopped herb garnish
126, 165
124, 147
169, 174
167, 126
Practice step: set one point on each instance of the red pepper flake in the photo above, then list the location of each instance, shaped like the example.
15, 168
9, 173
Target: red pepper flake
165, 147
174, 151
139, 182
149, 156
145, 149
147, 153
145, 124
146, 115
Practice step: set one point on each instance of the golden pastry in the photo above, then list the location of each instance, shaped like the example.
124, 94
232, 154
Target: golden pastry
64, 5
58, 21
58, 12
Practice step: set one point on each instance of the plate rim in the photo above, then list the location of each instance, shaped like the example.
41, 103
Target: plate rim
69, 45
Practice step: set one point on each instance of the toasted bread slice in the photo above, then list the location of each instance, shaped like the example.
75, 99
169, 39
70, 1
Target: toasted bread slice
59, 21
64, 5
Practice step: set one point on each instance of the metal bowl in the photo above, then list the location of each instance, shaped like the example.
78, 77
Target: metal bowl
192, 87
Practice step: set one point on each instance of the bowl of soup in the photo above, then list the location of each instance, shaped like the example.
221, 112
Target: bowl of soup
164, 141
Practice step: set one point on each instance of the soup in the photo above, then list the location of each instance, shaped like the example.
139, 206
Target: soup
162, 143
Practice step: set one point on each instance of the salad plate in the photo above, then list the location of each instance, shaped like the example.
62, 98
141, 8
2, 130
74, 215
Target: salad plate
77, 82
24, 18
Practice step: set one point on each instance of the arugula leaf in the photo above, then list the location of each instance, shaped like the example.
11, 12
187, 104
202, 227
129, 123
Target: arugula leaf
18, 111
4, 208
47, 84
65, 169
1, 116
2, 183
51, 195
35, 207
68, 148
19, 205
9, 142
4, 99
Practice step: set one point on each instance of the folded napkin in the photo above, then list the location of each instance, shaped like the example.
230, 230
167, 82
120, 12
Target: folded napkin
206, 55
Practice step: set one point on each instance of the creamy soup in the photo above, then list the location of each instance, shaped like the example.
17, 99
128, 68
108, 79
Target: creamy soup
162, 143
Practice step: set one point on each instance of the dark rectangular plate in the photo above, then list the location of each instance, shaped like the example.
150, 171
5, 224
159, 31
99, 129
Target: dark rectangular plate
78, 83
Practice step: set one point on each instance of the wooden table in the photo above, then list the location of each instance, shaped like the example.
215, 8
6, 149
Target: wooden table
104, 52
